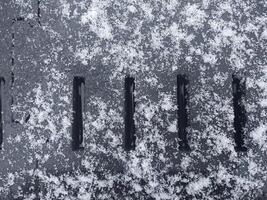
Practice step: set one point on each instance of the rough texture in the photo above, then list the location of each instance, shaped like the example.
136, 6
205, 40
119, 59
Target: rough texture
45, 44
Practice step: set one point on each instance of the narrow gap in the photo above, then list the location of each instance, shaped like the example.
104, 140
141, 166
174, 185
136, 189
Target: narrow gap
12, 71
12, 74
12, 49
129, 106
2, 82
182, 100
38, 11
78, 104
239, 88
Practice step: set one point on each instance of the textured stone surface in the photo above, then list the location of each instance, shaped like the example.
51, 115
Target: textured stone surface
50, 42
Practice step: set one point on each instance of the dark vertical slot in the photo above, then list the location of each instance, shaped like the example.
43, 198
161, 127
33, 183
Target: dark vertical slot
12, 75
239, 87
78, 104
38, 11
182, 100
129, 137
2, 82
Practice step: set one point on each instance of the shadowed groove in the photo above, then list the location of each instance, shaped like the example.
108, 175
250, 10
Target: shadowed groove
182, 100
129, 106
2, 82
239, 87
78, 104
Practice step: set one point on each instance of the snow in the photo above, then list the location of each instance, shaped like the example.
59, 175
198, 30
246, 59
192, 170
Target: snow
195, 16
97, 18
209, 58
259, 135
153, 41
198, 185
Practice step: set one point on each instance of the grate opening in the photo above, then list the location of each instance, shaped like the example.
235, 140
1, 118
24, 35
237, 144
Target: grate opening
129, 107
2, 82
182, 103
78, 108
239, 91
